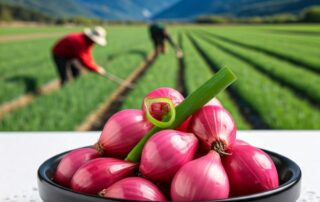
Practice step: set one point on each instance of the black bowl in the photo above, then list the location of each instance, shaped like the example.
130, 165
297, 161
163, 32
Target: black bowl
288, 191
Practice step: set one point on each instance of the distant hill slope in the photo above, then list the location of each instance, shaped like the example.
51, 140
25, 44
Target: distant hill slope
103, 9
188, 9
12, 12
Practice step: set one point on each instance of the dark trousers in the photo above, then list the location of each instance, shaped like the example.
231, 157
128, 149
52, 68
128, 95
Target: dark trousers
159, 45
66, 69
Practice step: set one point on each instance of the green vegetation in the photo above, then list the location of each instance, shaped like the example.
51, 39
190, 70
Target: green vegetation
163, 73
70, 105
278, 70
23, 72
299, 50
10, 31
272, 19
293, 76
10, 13
197, 71
275, 105
312, 14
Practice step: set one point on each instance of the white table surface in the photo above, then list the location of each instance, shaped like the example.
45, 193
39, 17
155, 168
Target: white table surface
22, 153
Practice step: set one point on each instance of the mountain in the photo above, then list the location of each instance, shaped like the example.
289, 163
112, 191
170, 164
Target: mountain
103, 9
189, 9
161, 9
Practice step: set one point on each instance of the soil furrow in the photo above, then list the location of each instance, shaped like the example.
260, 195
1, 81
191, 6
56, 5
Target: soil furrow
181, 83
27, 98
299, 92
251, 116
279, 56
97, 119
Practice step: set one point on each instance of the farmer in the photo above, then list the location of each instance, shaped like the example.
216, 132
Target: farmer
75, 49
159, 34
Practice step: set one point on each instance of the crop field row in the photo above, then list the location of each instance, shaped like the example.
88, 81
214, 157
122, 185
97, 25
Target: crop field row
32, 71
274, 104
36, 29
292, 30
163, 73
197, 71
76, 100
277, 85
292, 76
67, 108
306, 53
266, 35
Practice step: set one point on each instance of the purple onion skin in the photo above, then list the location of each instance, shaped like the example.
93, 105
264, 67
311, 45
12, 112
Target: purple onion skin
239, 142
122, 132
250, 170
212, 125
165, 153
158, 109
71, 162
99, 174
184, 127
201, 179
134, 188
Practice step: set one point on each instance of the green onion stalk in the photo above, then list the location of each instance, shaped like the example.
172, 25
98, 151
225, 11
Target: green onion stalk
176, 116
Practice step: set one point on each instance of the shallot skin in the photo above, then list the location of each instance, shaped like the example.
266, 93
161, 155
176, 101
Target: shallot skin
122, 132
212, 125
184, 127
201, 179
99, 174
250, 170
71, 162
165, 152
133, 188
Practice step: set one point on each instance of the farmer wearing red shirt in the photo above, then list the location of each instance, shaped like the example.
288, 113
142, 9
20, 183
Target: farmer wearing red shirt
78, 46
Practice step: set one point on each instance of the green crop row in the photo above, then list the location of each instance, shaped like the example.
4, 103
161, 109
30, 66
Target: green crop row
305, 53
68, 107
293, 27
294, 77
35, 67
275, 105
34, 30
197, 72
296, 32
163, 73
267, 36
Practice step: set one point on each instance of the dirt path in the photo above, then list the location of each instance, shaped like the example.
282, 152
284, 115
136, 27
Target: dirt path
181, 83
27, 98
96, 119
21, 37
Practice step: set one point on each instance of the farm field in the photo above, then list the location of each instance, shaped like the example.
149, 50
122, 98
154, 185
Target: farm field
278, 70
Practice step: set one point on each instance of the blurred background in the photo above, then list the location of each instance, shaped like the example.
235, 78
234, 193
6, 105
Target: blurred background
272, 46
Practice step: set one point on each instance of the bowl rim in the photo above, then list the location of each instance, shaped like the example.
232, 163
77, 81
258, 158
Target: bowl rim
294, 179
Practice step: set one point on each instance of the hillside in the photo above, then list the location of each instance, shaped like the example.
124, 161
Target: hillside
188, 9
103, 9
10, 13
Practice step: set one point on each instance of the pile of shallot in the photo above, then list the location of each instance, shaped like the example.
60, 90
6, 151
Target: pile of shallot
171, 149
199, 160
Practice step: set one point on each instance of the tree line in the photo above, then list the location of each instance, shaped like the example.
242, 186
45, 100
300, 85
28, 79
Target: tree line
309, 15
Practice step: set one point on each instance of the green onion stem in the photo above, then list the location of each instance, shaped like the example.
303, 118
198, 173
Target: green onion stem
167, 122
220, 81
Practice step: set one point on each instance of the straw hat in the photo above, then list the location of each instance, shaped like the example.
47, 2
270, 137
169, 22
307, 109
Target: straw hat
96, 34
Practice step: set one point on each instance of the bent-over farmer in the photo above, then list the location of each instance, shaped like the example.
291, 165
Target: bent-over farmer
159, 34
78, 47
